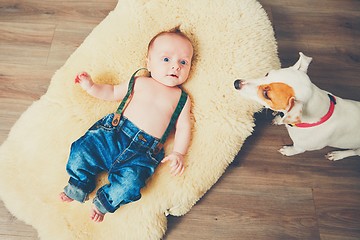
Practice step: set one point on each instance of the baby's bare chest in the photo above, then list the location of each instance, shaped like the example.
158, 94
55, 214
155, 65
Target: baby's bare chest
159, 103
152, 112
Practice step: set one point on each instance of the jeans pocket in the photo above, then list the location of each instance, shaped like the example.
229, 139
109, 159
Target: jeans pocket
155, 158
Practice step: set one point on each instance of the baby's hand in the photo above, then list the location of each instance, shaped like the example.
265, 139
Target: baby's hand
177, 163
84, 80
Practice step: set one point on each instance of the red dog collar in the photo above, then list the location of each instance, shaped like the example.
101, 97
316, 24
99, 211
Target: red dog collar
323, 119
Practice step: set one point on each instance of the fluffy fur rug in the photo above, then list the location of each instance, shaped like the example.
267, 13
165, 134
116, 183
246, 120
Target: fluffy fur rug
232, 39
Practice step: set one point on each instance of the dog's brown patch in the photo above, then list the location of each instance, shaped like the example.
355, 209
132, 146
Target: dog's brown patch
277, 95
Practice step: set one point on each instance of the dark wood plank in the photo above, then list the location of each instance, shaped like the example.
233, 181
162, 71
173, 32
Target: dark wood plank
55, 11
243, 211
25, 43
338, 219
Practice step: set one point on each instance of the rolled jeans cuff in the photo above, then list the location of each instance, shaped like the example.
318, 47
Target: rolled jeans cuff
75, 193
99, 206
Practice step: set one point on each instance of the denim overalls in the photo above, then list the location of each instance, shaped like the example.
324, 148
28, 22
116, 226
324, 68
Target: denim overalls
114, 144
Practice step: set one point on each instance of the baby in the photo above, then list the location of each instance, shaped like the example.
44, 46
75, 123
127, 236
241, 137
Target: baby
128, 144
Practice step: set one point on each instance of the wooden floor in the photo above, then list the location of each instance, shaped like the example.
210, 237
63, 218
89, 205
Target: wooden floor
262, 195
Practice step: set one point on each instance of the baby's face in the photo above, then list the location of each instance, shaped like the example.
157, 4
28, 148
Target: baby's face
169, 59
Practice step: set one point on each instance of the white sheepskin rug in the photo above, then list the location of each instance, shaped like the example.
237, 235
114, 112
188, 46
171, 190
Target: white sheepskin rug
232, 39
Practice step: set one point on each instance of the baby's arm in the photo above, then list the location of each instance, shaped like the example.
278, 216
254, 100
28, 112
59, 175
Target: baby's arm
101, 91
181, 142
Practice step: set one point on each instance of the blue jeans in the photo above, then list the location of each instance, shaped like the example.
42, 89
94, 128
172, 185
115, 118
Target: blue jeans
124, 151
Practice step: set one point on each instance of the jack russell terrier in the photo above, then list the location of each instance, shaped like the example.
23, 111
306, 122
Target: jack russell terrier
313, 117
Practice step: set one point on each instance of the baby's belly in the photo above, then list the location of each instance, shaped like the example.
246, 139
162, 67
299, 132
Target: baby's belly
154, 124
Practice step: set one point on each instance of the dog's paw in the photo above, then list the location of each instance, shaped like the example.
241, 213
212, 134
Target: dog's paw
277, 120
334, 156
290, 150
338, 155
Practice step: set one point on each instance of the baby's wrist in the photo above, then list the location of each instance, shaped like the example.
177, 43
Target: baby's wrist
178, 154
88, 88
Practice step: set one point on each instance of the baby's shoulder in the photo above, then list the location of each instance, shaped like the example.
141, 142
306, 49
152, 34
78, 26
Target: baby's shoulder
142, 81
141, 78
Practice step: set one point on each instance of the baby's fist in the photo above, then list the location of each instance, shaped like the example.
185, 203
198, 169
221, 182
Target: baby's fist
176, 163
80, 76
84, 80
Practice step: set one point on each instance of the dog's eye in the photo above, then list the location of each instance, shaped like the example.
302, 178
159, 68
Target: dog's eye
265, 94
266, 74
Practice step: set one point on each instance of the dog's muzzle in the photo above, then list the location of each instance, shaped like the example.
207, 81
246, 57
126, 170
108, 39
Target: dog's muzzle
238, 84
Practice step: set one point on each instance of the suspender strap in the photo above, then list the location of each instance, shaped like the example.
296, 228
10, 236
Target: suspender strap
126, 99
128, 95
175, 115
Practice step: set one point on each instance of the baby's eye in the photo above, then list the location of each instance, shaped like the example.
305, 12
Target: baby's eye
183, 62
165, 59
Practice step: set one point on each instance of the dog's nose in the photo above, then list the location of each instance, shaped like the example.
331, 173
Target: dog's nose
237, 84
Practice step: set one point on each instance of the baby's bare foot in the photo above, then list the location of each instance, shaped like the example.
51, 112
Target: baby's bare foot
96, 215
65, 198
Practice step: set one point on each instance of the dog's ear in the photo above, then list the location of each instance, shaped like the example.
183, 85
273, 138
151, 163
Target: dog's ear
290, 104
294, 112
303, 63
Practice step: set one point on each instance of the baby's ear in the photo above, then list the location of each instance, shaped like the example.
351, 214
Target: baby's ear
294, 112
148, 64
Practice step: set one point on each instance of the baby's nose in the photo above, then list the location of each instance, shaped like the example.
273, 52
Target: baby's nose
176, 66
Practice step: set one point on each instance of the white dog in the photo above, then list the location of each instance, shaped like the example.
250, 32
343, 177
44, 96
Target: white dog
313, 117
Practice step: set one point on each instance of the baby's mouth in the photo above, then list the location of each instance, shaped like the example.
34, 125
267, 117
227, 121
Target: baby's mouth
173, 75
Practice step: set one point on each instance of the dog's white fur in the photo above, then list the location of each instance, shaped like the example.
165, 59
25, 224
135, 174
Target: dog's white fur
290, 91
